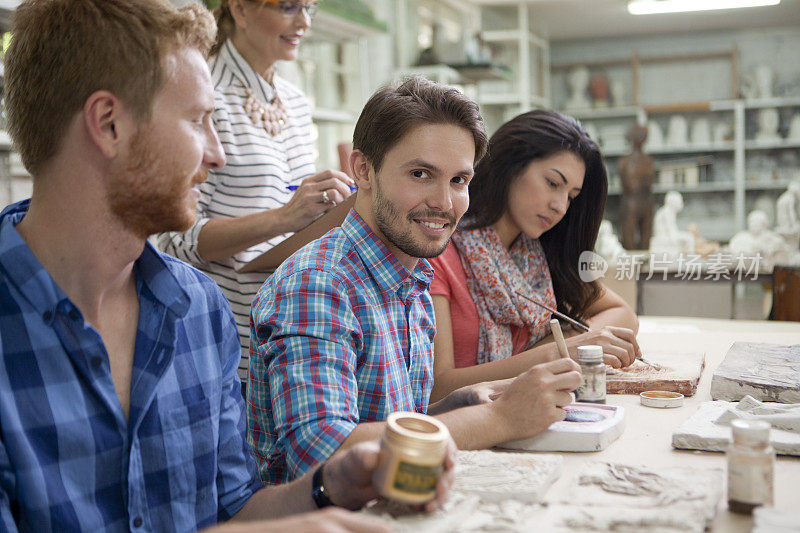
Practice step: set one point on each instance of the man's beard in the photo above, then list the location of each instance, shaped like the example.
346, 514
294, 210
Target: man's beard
148, 194
387, 217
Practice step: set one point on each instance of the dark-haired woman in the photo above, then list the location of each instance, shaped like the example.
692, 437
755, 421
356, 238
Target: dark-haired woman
536, 203
264, 125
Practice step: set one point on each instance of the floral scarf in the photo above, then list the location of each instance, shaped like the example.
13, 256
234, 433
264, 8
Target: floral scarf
494, 275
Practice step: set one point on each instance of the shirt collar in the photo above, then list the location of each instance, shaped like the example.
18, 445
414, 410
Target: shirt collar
385, 267
242, 70
24, 271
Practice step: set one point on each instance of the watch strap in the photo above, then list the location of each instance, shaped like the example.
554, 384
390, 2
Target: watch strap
318, 492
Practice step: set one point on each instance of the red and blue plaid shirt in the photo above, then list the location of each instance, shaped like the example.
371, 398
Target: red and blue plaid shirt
342, 333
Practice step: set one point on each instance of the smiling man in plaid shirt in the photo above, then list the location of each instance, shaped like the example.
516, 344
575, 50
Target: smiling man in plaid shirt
120, 405
342, 332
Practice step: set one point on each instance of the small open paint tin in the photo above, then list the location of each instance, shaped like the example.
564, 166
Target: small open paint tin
660, 398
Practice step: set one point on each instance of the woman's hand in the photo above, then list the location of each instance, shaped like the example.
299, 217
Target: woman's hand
315, 195
620, 348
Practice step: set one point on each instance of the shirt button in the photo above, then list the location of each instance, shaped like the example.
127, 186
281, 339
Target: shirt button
73, 314
137, 522
96, 362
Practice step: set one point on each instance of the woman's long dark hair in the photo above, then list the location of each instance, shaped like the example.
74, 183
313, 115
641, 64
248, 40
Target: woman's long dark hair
537, 135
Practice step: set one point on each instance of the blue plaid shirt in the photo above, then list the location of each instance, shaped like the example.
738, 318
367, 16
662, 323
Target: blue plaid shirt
342, 333
69, 460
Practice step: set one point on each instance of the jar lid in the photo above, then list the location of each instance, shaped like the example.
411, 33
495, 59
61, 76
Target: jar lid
591, 353
661, 399
750, 431
416, 430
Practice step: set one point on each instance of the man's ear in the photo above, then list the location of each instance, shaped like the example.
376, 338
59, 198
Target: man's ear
107, 122
363, 172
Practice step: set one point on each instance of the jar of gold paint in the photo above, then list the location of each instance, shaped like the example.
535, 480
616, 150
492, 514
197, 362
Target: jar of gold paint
413, 448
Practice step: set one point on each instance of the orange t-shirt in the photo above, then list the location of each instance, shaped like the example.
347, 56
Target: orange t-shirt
450, 281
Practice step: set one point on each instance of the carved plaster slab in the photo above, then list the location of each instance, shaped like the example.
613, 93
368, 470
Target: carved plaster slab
771, 520
619, 497
493, 491
709, 428
680, 372
769, 372
577, 436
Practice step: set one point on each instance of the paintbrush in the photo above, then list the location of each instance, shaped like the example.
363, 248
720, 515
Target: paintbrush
579, 325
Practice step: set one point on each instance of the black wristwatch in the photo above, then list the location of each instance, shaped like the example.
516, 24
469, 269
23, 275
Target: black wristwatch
318, 491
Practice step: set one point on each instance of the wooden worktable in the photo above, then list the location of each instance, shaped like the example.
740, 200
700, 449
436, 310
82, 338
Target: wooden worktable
648, 434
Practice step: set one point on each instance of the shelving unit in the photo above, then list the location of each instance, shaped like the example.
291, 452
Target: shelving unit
737, 151
334, 64
507, 27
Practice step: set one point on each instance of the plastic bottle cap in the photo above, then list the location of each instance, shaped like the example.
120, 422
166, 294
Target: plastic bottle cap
750, 430
590, 353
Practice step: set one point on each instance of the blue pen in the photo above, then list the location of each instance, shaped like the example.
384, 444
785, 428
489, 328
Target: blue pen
353, 188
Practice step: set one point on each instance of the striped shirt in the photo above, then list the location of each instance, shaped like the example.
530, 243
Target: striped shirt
255, 177
342, 334
69, 459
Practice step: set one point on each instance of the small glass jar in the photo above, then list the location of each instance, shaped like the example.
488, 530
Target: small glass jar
593, 386
751, 466
413, 449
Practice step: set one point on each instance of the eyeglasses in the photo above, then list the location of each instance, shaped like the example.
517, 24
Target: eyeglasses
291, 9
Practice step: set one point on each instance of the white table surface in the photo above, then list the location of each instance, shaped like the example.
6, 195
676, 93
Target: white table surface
648, 433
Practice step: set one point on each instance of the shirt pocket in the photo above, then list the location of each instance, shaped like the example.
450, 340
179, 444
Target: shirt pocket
190, 435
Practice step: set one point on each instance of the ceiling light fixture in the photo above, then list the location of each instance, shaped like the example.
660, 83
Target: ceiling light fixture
649, 7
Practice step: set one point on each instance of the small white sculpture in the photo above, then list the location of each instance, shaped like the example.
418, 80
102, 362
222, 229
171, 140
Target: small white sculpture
608, 244
667, 238
655, 136
768, 122
701, 132
578, 80
757, 239
794, 127
618, 93
786, 214
765, 79
678, 131
722, 132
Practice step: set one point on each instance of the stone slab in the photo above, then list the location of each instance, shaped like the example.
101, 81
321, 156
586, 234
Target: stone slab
577, 436
767, 372
680, 372
493, 491
702, 431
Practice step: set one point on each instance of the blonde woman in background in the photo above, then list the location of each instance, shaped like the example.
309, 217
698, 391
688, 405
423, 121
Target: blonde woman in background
264, 124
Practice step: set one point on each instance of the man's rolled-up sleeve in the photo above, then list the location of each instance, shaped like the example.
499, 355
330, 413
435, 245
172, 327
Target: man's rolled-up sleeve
304, 347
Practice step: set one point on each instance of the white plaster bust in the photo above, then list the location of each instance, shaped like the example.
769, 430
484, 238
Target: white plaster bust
655, 136
757, 239
608, 244
678, 131
667, 238
768, 122
578, 81
794, 127
701, 132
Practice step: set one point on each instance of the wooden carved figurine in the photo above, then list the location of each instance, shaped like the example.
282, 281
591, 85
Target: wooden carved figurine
637, 173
